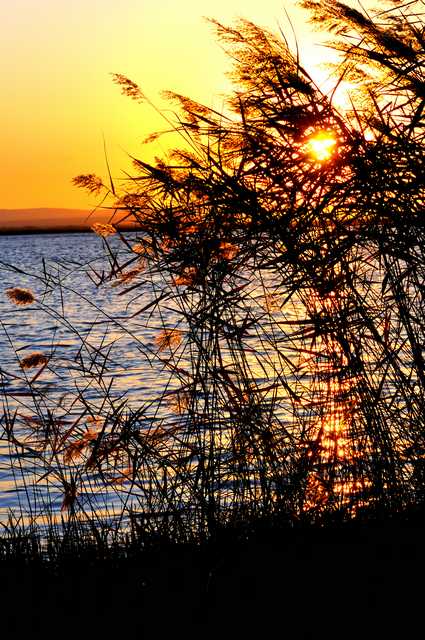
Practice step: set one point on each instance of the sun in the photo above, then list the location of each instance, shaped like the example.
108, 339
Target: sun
321, 145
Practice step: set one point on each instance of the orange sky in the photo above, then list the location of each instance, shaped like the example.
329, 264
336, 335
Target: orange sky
58, 98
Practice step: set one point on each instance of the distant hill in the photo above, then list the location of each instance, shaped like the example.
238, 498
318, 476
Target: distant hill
51, 219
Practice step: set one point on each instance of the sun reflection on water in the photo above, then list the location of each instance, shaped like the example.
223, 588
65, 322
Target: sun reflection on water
331, 450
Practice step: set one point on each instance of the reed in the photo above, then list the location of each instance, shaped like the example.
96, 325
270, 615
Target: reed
286, 236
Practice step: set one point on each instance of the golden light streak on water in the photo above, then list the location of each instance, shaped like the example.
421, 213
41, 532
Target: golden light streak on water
334, 389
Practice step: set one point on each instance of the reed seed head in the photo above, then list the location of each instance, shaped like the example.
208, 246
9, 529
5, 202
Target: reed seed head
20, 297
103, 230
168, 338
34, 360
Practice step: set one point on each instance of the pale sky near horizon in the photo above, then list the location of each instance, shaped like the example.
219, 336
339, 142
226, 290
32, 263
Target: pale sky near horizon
59, 100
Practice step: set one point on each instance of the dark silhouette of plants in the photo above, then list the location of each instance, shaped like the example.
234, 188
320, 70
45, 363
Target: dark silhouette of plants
286, 237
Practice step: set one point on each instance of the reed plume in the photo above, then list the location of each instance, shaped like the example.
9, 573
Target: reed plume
168, 339
103, 230
20, 297
34, 360
92, 183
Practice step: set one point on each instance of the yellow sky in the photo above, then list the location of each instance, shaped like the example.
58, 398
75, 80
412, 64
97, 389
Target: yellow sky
58, 98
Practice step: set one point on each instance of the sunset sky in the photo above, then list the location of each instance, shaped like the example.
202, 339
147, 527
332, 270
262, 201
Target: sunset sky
59, 100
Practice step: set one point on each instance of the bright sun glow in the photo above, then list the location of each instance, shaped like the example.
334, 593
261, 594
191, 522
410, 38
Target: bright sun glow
321, 145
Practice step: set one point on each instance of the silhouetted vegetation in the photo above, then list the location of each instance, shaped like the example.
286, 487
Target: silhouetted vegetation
286, 237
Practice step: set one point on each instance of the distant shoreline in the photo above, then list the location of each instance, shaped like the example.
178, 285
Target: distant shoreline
47, 220
55, 230
35, 231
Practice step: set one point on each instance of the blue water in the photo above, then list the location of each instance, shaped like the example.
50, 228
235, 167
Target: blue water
72, 317
101, 341
100, 356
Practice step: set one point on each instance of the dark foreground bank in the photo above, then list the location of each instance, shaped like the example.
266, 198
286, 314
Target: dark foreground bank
365, 582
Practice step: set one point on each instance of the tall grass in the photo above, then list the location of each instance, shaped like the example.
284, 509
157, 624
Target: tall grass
296, 366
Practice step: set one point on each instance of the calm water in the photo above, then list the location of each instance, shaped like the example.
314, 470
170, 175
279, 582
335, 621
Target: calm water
72, 324
73, 314
103, 354
100, 355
